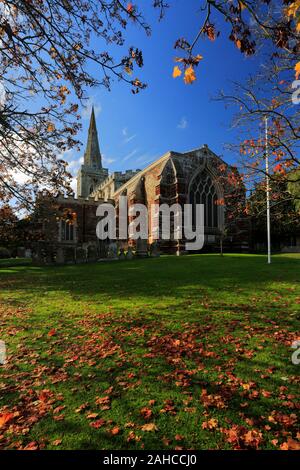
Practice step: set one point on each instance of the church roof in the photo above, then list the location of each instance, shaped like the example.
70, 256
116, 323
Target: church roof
201, 151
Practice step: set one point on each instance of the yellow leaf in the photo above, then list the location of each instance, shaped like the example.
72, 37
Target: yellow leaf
297, 69
198, 57
189, 76
293, 9
242, 5
150, 427
128, 70
176, 72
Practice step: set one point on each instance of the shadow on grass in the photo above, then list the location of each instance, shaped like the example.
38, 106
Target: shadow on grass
157, 278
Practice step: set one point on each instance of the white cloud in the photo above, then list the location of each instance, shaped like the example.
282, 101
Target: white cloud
183, 123
130, 155
87, 109
142, 157
107, 160
127, 138
74, 165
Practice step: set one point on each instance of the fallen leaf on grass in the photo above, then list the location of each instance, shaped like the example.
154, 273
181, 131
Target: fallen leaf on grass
146, 413
5, 418
57, 442
92, 415
210, 424
98, 424
149, 427
291, 444
114, 431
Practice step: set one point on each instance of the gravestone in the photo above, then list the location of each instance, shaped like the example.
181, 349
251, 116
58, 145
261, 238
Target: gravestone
141, 248
28, 253
129, 254
154, 250
113, 251
60, 257
81, 255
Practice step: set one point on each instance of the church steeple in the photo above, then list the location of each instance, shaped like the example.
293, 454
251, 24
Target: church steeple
91, 173
92, 155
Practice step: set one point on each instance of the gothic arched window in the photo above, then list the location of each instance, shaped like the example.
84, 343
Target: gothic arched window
203, 191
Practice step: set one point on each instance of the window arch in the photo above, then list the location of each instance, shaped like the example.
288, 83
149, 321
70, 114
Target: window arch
204, 191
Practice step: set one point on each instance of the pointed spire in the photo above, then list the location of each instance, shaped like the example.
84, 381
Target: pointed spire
92, 155
93, 120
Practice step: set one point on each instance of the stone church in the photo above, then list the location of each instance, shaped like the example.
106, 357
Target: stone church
189, 177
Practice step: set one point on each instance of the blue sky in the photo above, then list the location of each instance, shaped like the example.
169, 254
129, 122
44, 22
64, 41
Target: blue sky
169, 115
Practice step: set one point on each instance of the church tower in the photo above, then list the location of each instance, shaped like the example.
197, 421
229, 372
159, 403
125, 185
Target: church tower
91, 173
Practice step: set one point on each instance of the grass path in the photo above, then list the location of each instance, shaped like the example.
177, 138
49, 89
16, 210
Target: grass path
191, 352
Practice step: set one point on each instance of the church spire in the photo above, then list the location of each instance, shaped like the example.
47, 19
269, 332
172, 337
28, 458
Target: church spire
92, 155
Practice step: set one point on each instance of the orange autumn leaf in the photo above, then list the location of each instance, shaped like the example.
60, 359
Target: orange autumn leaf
52, 332
146, 412
189, 76
210, 424
297, 70
291, 444
176, 72
5, 418
114, 431
98, 423
238, 43
50, 127
57, 442
129, 8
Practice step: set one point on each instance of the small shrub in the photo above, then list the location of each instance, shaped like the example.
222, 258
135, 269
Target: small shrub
4, 253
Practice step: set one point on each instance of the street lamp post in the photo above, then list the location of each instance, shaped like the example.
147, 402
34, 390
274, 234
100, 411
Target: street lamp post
268, 190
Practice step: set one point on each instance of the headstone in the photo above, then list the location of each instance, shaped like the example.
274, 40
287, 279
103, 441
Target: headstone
141, 248
121, 254
21, 252
81, 255
60, 256
154, 250
103, 249
91, 253
28, 253
129, 254
113, 250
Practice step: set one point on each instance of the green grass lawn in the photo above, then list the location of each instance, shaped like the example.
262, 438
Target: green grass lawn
8, 262
187, 353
